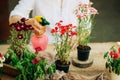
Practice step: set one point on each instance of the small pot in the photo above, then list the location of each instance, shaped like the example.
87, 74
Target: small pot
83, 54
62, 67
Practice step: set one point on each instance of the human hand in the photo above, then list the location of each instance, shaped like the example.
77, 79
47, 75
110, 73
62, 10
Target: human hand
38, 29
14, 19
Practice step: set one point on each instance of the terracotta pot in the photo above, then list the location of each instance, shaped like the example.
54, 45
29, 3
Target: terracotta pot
40, 42
62, 67
83, 54
10, 70
114, 76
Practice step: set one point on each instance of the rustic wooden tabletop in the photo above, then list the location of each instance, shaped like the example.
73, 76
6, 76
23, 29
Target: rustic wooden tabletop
96, 53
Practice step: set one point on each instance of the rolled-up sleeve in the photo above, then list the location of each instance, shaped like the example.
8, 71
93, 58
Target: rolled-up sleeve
23, 8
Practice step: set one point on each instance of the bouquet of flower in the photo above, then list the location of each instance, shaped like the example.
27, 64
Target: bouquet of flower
85, 14
113, 60
63, 36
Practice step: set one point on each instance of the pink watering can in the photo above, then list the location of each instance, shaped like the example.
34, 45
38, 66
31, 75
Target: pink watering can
39, 42
39, 39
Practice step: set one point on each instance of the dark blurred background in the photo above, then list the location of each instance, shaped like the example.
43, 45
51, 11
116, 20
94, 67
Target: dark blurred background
107, 28
107, 23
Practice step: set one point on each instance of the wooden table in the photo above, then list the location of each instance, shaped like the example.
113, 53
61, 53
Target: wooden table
97, 52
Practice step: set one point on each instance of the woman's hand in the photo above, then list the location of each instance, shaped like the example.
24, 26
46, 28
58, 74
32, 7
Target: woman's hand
38, 29
14, 19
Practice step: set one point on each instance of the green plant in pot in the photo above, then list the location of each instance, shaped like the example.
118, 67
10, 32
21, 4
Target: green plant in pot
30, 67
112, 63
85, 14
63, 36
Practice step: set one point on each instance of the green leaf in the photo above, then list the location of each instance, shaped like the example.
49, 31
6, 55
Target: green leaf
14, 59
7, 55
19, 66
106, 54
10, 51
1, 72
28, 54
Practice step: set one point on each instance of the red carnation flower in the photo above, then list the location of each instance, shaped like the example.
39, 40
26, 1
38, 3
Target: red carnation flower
35, 61
72, 33
119, 49
38, 49
1, 55
18, 28
23, 19
116, 56
53, 31
111, 53
20, 36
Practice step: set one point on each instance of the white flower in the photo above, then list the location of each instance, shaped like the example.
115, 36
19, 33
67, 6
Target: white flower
2, 59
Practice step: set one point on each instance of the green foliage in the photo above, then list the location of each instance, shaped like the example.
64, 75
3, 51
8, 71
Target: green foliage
0, 72
113, 66
83, 32
30, 71
112, 60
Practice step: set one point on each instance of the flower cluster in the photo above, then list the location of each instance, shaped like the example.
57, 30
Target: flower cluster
20, 35
21, 28
115, 54
85, 14
2, 59
113, 60
63, 36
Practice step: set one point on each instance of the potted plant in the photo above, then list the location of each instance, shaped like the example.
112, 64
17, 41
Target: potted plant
21, 60
2, 59
85, 14
113, 62
63, 36
30, 67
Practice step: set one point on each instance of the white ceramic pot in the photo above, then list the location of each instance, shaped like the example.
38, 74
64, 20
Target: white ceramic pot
115, 76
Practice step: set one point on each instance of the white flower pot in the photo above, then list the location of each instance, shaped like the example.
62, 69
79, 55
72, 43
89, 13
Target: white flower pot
115, 76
